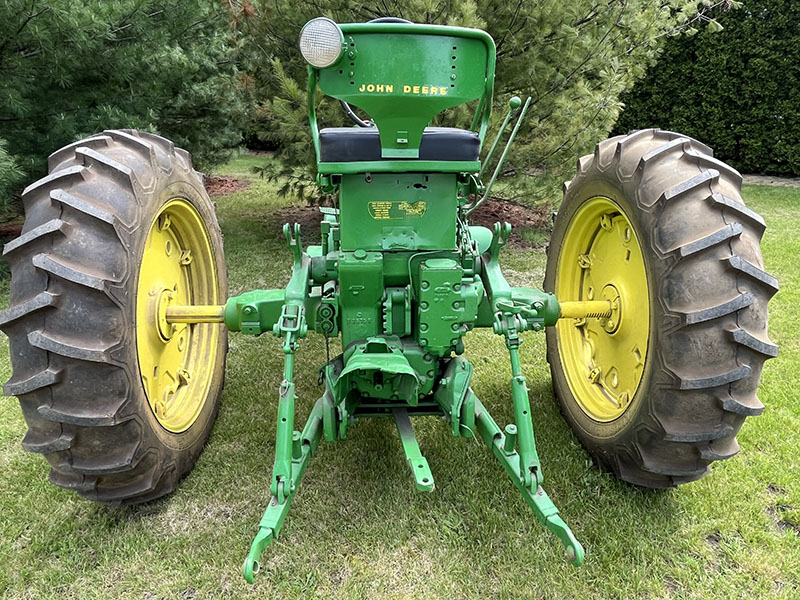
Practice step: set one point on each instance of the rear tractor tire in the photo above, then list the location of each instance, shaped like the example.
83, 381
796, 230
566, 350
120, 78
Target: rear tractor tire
656, 225
119, 401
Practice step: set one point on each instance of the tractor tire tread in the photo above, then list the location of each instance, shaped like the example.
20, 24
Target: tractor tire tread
73, 383
51, 226
693, 412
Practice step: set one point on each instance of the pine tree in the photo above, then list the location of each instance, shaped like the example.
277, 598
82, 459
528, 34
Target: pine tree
69, 68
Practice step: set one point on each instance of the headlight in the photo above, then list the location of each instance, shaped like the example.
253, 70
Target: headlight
321, 42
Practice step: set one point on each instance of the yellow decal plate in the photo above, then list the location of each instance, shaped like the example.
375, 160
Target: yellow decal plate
397, 210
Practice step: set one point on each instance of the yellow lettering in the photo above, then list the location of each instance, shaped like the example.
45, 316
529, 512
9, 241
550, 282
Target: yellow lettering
406, 89
443, 91
379, 87
425, 89
370, 88
416, 89
389, 88
434, 90
362, 88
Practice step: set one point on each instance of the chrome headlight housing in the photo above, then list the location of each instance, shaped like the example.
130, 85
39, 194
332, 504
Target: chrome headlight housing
321, 42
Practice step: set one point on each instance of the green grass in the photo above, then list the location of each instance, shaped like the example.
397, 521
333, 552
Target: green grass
358, 529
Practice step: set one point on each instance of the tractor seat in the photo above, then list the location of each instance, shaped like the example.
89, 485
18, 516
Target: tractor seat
358, 144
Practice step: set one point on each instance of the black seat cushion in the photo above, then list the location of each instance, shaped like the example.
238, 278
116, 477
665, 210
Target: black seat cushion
354, 144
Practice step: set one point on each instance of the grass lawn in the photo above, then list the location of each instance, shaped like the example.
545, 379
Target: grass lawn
358, 528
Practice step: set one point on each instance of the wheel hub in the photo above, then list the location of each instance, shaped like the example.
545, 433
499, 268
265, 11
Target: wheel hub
611, 324
603, 358
177, 268
163, 300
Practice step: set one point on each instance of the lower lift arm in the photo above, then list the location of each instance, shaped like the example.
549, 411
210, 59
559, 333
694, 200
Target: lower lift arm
515, 448
515, 310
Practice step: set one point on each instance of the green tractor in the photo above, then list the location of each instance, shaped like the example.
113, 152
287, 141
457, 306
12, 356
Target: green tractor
654, 302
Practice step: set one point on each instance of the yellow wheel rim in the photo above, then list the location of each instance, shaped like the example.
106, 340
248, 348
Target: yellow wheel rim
176, 361
603, 359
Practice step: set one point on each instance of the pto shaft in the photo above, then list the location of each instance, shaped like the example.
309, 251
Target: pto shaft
596, 309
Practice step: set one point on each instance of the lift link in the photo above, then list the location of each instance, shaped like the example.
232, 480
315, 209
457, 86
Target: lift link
530, 468
304, 446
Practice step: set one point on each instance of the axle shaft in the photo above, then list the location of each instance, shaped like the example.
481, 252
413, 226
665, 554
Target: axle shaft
580, 309
196, 314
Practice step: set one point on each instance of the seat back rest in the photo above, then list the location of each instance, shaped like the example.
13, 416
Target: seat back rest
403, 75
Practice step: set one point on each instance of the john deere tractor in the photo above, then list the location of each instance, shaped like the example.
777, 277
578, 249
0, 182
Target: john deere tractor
654, 302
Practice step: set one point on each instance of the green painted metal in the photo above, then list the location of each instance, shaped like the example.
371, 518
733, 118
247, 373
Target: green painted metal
502, 160
277, 510
513, 104
432, 68
416, 462
254, 312
544, 509
401, 276
398, 211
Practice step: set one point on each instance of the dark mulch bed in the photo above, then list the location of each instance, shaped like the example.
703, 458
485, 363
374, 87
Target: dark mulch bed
10, 229
222, 186
520, 217
215, 186
490, 212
